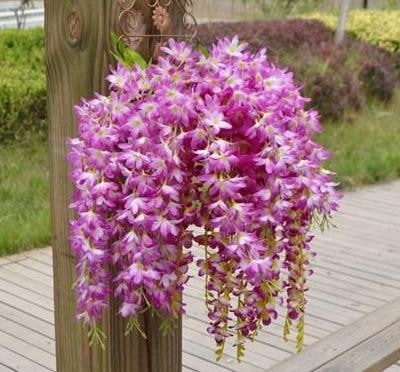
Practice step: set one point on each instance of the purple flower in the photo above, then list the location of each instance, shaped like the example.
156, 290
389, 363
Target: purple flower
223, 142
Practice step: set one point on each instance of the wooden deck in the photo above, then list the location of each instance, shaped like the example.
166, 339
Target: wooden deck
357, 270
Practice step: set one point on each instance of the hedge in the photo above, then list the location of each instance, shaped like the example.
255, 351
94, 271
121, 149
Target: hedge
377, 27
22, 83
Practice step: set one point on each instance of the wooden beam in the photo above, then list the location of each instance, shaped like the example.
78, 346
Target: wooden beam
322, 353
373, 355
77, 59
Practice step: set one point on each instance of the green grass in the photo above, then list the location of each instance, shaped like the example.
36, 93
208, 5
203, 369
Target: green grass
366, 150
24, 200
366, 146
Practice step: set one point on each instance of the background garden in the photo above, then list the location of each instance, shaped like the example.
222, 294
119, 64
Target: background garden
354, 86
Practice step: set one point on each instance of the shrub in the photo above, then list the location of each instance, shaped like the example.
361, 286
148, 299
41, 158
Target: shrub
336, 78
377, 27
22, 83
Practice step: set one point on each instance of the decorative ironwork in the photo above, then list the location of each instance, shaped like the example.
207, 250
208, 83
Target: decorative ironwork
133, 26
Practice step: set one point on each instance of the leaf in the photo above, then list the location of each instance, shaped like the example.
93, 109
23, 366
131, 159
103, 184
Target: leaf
124, 54
133, 324
240, 349
132, 57
96, 336
117, 57
167, 326
203, 50
300, 334
114, 41
240, 352
219, 352
286, 329
116, 48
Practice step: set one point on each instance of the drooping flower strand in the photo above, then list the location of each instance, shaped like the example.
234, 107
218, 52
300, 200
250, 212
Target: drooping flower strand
215, 150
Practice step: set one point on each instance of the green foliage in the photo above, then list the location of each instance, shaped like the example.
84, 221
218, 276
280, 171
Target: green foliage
378, 27
219, 351
300, 334
22, 84
134, 325
125, 55
24, 195
286, 328
203, 50
375, 158
96, 336
240, 351
390, 4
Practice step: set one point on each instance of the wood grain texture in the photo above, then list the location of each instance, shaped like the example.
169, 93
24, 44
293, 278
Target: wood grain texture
77, 59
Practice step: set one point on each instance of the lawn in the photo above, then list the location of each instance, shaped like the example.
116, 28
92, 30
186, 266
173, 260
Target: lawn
24, 200
366, 149
366, 146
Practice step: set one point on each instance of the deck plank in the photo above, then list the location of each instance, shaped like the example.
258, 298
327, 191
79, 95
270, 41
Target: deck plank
30, 274
21, 332
374, 354
25, 282
27, 350
357, 271
27, 320
26, 294
37, 266
4, 368
16, 362
338, 343
19, 303
41, 257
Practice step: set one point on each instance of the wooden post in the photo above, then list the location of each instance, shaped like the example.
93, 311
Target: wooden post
77, 59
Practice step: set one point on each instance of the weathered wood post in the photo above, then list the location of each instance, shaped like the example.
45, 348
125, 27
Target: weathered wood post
77, 59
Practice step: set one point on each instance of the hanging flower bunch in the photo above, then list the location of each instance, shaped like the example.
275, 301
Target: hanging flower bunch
214, 150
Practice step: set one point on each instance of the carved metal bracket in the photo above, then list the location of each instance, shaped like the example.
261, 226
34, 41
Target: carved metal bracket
133, 26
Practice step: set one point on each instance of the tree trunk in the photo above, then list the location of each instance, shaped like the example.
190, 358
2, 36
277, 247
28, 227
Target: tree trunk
341, 27
77, 59
365, 4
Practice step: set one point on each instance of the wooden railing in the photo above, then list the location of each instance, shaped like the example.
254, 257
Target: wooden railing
20, 14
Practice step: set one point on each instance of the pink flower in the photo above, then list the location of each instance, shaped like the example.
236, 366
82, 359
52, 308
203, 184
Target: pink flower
214, 122
223, 142
165, 226
138, 274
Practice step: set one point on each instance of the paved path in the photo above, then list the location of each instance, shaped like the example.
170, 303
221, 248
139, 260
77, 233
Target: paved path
357, 270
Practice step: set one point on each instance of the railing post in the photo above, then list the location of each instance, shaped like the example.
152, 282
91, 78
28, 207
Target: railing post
77, 59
